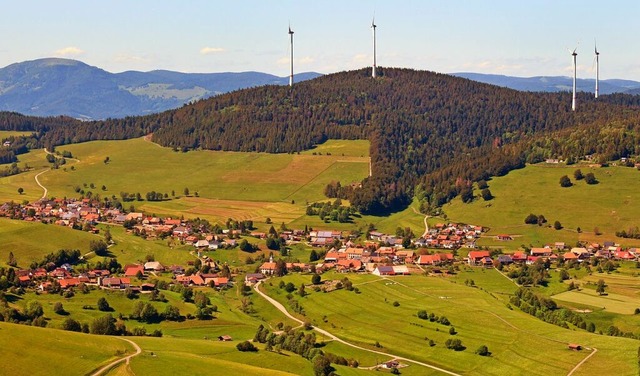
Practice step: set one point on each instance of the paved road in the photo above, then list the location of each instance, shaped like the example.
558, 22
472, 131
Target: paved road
281, 308
126, 358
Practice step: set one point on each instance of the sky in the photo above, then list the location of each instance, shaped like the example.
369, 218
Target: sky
522, 38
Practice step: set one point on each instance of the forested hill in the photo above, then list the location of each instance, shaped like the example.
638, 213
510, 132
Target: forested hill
424, 127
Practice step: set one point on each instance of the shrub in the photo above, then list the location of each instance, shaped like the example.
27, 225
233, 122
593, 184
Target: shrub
483, 350
454, 344
246, 346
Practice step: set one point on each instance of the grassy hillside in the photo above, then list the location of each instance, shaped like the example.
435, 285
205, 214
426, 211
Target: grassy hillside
611, 205
519, 343
29, 350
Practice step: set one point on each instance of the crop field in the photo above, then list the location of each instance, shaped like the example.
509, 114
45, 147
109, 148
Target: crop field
39, 351
370, 316
610, 206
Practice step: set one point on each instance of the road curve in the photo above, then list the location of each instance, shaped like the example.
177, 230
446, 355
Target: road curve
282, 309
115, 362
44, 195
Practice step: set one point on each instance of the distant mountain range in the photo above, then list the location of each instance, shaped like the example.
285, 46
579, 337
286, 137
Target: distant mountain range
49, 87
554, 84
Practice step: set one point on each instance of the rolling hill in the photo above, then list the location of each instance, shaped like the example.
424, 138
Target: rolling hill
432, 131
49, 87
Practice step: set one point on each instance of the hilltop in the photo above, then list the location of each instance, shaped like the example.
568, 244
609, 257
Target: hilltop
53, 86
432, 131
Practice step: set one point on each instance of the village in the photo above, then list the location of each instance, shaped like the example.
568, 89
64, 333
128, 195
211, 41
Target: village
434, 253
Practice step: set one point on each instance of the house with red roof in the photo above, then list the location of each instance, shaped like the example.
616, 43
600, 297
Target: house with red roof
132, 270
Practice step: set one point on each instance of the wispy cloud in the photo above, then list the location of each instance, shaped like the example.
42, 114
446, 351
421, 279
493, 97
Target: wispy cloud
69, 51
126, 58
211, 50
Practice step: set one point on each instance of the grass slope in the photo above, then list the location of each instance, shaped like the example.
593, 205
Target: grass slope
515, 339
611, 205
30, 350
229, 184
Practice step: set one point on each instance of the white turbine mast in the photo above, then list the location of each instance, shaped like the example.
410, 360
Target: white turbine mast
597, 67
573, 99
291, 41
373, 27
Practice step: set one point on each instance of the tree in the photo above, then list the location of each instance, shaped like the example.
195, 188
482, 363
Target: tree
171, 313
486, 194
129, 293
301, 290
149, 313
12, 260
578, 175
557, 225
33, 309
531, 219
483, 350
186, 191
322, 366
600, 287
313, 256
20, 190
590, 178
565, 181
107, 234
58, 308
315, 279
105, 325
290, 287
99, 247
71, 325
103, 305
201, 300
187, 294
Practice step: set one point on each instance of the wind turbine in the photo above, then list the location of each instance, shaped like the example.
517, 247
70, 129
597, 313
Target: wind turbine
291, 74
373, 27
597, 67
573, 100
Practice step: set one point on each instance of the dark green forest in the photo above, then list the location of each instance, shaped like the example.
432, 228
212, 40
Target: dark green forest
432, 135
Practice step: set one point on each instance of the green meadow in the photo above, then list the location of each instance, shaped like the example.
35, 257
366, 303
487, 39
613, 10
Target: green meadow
28, 350
610, 206
371, 316
6, 134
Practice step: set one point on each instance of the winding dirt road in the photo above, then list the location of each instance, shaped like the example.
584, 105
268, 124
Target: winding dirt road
115, 362
282, 309
44, 195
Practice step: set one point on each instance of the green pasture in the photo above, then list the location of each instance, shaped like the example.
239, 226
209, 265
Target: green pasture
6, 134
31, 241
40, 351
342, 148
370, 316
611, 205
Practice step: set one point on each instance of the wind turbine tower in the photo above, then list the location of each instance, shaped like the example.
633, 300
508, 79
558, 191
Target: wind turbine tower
573, 100
597, 68
373, 27
291, 73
